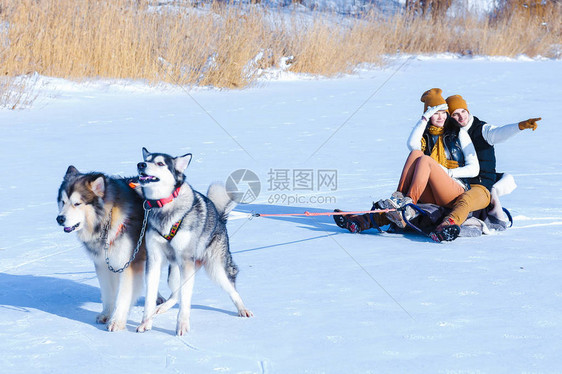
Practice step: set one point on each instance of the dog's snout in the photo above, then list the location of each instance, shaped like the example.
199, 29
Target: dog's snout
141, 165
61, 219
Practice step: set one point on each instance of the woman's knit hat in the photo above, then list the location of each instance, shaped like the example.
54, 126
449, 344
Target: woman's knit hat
456, 102
432, 98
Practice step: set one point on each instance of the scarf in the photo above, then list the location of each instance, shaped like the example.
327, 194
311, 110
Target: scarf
438, 151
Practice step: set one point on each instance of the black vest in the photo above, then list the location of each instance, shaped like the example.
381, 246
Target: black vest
453, 149
486, 156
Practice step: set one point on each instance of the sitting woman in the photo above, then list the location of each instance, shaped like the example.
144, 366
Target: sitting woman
441, 156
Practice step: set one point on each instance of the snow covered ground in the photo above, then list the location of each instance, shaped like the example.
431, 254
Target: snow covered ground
325, 301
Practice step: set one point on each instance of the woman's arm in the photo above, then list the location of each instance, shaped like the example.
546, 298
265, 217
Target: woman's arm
471, 167
414, 141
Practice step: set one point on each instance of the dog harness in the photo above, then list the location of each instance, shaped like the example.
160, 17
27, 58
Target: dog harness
120, 230
108, 243
173, 231
161, 202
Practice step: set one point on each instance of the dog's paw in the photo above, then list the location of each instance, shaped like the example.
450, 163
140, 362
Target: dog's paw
182, 328
245, 313
145, 326
102, 318
115, 325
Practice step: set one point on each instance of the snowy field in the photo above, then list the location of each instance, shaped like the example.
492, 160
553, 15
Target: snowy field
325, 301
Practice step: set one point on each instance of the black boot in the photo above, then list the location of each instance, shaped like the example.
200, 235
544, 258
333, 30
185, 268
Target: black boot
360, 222
447, 231
353, 222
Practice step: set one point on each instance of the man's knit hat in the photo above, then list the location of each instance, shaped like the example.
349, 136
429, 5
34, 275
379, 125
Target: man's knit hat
456, 102
432, 98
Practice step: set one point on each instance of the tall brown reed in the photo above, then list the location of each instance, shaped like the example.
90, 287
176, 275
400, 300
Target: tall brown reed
226, 46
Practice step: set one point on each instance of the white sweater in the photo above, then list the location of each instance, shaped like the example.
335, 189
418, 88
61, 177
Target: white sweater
471, 167
495, 134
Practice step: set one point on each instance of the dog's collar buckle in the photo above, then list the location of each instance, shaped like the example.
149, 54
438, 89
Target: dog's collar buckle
160, 203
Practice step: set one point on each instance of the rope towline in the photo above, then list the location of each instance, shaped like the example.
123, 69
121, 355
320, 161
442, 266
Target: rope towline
312, 214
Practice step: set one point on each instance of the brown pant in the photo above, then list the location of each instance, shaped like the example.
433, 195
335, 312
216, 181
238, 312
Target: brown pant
478, 197
425, 181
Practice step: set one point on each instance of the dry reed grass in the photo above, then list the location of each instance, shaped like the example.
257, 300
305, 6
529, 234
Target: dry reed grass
226, 46
435, 7
18, 92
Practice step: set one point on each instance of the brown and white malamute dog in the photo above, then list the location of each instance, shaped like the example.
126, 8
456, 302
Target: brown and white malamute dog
107, 216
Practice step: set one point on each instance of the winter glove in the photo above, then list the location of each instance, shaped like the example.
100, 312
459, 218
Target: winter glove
434, 109
451, 164
531, 123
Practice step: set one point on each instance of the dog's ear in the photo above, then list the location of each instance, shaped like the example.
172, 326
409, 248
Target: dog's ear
182, 162
71, 172
98, 186
145, 153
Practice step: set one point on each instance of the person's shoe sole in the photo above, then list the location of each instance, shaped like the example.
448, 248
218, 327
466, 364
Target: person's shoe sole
340, 220
353, 227
344, 223
394, 216
447, 234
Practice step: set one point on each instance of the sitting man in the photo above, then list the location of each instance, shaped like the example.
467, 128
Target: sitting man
484, 137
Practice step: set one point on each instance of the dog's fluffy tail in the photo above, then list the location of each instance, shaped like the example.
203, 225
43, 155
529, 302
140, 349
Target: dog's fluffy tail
218, 195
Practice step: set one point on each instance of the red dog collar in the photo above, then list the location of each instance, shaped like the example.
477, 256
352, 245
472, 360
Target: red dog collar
160, 203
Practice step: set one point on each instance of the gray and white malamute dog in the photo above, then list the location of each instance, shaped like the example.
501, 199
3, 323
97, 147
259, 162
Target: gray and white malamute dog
107, 216
189, 230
